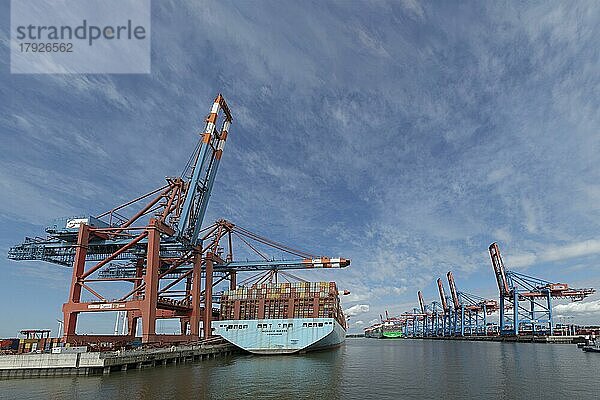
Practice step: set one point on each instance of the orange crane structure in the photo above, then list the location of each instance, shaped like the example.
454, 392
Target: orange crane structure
152, 258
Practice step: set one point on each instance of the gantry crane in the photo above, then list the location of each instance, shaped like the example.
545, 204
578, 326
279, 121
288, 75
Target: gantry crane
424, 312
470, 311
428, 316
433, 312
529, 298
413, 322
447, 317
155, 253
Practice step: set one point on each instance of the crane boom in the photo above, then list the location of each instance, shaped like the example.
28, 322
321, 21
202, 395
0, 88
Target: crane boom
203, 171
442, 295
499, 269
421, 301
283, 264
453, 291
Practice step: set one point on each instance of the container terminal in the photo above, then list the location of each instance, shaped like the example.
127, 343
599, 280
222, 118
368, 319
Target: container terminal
155, 251
525, 308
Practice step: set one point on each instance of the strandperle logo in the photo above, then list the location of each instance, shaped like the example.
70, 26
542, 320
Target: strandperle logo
74, 36
85, 31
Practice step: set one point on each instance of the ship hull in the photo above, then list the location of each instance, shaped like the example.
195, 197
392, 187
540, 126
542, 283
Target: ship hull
392, 334
281, 336
374, 335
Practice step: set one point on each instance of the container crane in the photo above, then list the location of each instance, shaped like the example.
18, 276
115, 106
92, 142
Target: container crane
413, 321
155, 244
447, 317
433, 313
470, 311
424, 312
437, 315
529, 298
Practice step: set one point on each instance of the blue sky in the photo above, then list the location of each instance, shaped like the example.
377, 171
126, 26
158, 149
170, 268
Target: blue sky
405, 135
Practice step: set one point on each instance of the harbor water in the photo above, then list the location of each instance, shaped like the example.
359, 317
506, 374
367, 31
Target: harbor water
360, 369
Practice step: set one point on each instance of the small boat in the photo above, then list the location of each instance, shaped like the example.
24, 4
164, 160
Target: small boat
590, 345
591, 349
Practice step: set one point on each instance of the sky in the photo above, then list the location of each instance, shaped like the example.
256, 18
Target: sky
404, 135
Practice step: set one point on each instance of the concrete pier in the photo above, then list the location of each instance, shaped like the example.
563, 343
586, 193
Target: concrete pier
43, 365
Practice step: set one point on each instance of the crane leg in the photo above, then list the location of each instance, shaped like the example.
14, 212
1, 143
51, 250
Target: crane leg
208, 282
196, 293
151, 288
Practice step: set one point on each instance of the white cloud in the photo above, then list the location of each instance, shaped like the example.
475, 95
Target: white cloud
372, 44
589, 307
414, 7
554, 253
521, 260
359, 323
503, 235
356, 310
531, 215
499, 174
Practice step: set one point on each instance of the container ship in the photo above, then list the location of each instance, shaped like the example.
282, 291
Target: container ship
391, 329
388, 329
374, 331
282, 318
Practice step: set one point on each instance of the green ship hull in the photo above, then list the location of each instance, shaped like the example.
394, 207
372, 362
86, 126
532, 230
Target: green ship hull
392, 334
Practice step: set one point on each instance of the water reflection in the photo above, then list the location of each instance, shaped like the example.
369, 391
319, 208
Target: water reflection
363, 368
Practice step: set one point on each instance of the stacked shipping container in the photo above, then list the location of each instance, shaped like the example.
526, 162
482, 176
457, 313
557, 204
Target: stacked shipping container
283, 301
42, 345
